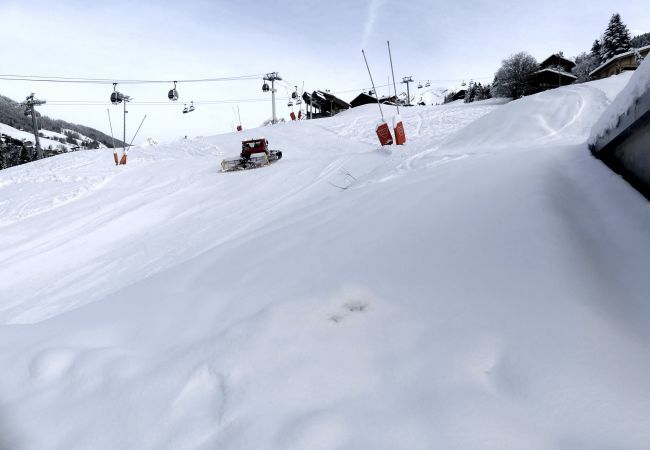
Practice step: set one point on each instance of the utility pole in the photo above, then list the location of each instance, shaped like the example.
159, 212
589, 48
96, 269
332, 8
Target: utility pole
273, 77
408, 80
31, 103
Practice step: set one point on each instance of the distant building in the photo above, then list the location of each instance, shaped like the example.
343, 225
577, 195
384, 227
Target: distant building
363, 99
460, 95
323, 104
619, 63
554, 71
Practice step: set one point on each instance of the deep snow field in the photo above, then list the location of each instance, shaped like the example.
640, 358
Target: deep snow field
483, 287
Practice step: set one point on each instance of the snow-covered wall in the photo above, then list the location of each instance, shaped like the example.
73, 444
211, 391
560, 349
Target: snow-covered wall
621, 137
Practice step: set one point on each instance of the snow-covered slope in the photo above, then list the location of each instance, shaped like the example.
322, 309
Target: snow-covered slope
431, 95
28, 136
485, 286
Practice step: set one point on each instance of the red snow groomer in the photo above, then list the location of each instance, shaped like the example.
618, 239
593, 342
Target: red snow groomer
249, 158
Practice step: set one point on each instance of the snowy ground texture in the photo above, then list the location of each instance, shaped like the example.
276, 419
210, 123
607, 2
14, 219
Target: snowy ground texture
484, 287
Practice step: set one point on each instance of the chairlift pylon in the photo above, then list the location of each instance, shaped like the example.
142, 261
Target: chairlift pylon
173, 93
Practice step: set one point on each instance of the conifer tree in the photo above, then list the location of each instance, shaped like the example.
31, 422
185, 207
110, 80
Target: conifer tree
595, 48
616, 39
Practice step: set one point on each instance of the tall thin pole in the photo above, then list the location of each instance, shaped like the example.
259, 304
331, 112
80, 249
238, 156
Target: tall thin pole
275, 120
393, 72
111, 125
373, 85
39, 150
31, 104
124, 134
138, 130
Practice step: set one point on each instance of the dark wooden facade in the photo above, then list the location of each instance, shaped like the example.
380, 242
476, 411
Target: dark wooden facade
620, 63
323, 104
626, 147
362, 99
554, 71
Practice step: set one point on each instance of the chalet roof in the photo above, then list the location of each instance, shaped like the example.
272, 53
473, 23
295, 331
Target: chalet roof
320, 97
559, 72
362, 99
561, 58
641, 50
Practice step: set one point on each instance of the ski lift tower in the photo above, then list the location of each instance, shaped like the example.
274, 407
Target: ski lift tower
30, 109
407, 80
273, 77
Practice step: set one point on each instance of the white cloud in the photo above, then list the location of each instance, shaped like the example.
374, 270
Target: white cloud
373, 10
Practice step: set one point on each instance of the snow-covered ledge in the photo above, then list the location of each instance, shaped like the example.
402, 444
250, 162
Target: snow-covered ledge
621, 137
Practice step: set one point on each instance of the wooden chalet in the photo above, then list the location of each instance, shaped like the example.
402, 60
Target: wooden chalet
620, 63
363, 99
460, 95
554, 71
323, 104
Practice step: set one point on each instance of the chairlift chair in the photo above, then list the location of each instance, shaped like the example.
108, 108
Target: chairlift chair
265, 87
427, 84
191, 108
463, 83
290, 104
116, 97
419, 85
185, 110
173, 93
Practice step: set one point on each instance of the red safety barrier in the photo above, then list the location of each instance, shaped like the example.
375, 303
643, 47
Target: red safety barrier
398, 126
383, 133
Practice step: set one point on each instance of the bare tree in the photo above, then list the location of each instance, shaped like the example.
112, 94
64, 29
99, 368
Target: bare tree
512, 79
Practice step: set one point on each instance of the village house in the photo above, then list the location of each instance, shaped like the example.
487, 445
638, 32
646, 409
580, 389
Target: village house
554, 71
625, 61
323, 104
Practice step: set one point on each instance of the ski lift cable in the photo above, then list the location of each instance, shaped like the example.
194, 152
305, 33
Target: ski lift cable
154, 103
82, 80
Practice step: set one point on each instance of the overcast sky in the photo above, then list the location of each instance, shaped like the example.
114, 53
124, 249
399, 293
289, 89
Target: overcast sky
315, 42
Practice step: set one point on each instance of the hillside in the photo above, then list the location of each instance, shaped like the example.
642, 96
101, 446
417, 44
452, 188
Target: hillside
11, 114
484, 286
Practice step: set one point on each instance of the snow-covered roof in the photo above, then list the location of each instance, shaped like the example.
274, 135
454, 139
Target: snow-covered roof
572, 63
619, 56
570, 75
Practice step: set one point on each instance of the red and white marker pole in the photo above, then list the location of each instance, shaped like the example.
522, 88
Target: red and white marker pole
398, 125
382, 130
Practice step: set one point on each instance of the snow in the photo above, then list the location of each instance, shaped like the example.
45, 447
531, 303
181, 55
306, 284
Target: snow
638, 85
431, 96
28, 136
559, 72
45, 142
484, 286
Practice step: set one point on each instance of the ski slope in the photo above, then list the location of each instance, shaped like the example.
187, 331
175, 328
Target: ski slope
485, 286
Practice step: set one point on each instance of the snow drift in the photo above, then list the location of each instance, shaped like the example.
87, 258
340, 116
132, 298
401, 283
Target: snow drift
485, 286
